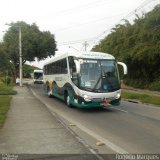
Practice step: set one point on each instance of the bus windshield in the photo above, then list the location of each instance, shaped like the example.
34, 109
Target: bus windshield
99, 75
38, 75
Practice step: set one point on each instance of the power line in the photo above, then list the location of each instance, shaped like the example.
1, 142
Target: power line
86, 23
109, 29
130, 14
81, 7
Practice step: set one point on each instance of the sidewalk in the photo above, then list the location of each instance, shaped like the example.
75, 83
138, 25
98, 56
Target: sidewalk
31, 129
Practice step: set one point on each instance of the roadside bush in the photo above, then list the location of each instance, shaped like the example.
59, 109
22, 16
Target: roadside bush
143, 84
6, 80
6, 89
155, 86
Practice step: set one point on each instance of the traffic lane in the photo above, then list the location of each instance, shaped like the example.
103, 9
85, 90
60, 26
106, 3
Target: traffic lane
132, 132
140, 109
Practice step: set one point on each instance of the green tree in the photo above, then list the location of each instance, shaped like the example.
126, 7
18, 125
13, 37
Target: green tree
6, 67
3, 59
27, 70
35, 43
138, 45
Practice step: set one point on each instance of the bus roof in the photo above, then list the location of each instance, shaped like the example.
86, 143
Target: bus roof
38, 70
82, 54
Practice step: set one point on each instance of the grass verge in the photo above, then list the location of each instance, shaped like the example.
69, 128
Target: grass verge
144, 98
4, 107
5, 98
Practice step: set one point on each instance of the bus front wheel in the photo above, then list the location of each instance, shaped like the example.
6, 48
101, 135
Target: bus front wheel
67, 100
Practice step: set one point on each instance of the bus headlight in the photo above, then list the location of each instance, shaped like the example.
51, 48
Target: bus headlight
87, 98
118, 95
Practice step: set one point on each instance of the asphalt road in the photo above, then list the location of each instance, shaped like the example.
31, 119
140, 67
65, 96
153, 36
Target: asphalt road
129, 128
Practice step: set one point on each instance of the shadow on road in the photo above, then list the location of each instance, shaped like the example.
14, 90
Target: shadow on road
95, 110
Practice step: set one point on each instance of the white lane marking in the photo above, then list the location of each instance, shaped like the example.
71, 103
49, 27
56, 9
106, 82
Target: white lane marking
119, 109
111, 145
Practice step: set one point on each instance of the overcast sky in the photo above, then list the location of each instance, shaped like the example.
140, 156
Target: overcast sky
69, 20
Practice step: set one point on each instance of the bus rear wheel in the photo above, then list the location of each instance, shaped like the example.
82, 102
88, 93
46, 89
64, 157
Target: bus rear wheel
48, 92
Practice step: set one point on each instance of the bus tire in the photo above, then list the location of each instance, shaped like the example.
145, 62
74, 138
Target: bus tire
67, 100
48, 92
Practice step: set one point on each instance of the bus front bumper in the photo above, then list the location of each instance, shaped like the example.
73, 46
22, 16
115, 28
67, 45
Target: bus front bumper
94, 104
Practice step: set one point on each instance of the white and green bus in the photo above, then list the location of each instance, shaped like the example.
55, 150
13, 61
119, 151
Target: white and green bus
84, 79
38, 76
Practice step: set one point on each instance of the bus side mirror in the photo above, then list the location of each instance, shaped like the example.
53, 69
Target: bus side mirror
124, 67
77, 66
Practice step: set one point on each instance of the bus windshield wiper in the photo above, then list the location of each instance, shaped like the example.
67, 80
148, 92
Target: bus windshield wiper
100, 77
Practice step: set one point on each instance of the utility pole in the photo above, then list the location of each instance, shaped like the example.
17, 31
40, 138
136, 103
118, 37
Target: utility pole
20, 58
85, 45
